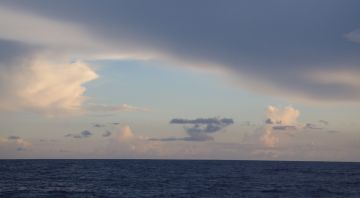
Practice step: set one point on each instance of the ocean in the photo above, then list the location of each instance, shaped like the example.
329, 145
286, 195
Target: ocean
177, 178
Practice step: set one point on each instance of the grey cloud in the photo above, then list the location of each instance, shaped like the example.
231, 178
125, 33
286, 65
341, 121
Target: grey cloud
332, 131
284, 127
83, 134
86, 133
324, 122
20, 149
247, 123
207, 125
199, 128
199, 138
165, 139
13, 137
98, 125
269, 121
106, 133
115, 123
312, 126
217, 121
267, 40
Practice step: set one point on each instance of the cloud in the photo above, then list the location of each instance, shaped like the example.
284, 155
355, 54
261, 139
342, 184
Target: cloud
207, 125
44, 31
106, 133
312, 126
199, 128
82, 134
286, 116
324, 122
353, 36
269, 121
20, 142
126, 133
261, 51
284, 127
248, 124
200, 137
12, 137
51, 87
332, 131
20, 149
41, 70
102, 108
279, 119
99, 125
269, 138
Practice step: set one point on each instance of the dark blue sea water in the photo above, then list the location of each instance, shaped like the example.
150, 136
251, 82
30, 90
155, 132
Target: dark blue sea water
177, 178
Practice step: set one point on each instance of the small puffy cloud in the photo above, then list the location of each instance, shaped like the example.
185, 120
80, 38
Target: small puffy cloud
198, 129
106, 133
286, 116
82, 134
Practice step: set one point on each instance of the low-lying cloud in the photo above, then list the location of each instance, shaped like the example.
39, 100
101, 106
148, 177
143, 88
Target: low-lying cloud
82, 134
106, 133
198, 129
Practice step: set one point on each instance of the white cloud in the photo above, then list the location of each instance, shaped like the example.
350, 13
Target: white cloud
279, 117
45, 86
286, 116
125, 134
269, 138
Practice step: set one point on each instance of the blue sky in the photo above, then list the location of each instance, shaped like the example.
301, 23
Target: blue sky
242, 79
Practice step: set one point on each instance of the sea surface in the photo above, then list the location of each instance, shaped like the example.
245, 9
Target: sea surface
177, 178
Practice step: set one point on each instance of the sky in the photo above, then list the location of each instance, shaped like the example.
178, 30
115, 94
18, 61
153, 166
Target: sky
241, 80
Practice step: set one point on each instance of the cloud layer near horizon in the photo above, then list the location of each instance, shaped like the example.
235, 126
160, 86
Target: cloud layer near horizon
198, 129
